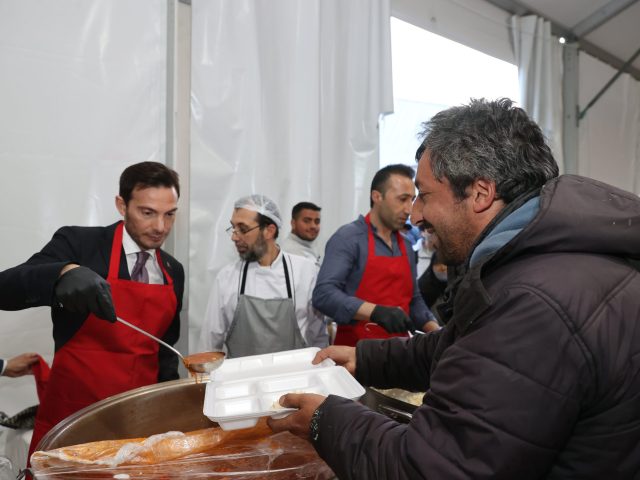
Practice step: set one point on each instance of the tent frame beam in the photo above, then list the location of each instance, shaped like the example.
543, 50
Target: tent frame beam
514, 7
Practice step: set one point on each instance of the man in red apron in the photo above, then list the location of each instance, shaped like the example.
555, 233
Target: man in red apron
367, 282
88, 275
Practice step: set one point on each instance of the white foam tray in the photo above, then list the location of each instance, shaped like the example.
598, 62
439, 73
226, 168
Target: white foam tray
246, 388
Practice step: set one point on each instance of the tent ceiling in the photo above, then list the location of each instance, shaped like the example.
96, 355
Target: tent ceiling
606, 29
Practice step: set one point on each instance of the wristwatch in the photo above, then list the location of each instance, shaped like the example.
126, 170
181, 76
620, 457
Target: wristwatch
314, 425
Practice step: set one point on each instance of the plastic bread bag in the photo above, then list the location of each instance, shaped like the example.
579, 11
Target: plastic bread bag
253, 453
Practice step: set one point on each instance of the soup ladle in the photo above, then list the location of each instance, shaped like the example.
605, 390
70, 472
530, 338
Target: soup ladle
203, 362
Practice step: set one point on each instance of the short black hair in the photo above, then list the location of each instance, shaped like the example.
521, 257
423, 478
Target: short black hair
145, 175
298, 207
379, 182
265, 221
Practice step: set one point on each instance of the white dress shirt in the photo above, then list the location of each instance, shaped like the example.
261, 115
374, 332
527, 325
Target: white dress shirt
263, 282
131, 249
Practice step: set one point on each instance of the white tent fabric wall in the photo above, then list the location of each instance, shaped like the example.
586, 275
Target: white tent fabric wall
609, 134
83, 95
538, 56
285, 102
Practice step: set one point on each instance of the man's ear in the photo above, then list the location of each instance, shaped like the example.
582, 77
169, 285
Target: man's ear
376, 196
293, 224
483, 194
121, 205
270, 231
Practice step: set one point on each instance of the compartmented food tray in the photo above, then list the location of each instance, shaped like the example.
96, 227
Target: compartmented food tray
247, 388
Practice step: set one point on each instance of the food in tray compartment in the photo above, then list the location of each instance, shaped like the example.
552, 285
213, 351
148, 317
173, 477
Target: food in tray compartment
413, 398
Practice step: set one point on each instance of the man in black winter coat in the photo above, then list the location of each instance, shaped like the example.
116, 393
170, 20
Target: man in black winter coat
537, 371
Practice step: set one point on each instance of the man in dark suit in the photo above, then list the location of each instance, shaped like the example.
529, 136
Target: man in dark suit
91, 274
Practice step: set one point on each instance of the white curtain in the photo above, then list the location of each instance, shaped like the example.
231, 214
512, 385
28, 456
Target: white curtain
609, 134
538, 55
286, 96
82, 95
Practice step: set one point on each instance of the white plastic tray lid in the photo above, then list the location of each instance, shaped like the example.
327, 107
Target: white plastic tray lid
247, 388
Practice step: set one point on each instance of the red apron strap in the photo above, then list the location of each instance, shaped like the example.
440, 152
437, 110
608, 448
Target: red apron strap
164, 271
116, 248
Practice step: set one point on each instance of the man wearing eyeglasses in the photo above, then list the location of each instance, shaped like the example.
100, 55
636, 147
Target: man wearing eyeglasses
261, 303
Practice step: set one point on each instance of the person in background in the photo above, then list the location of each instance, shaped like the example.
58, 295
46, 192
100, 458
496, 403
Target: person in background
305, 228
536, 374
18, 366
414, 235
424, 254
261, 303
433, 281
367, 282
88, 275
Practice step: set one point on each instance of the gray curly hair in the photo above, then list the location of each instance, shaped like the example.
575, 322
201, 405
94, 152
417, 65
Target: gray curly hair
492, 140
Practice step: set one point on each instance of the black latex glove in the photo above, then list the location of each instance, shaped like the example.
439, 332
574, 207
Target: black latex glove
392, 319
82, 290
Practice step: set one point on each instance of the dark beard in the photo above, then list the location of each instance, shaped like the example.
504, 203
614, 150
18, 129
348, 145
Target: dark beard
306, 238
256, 252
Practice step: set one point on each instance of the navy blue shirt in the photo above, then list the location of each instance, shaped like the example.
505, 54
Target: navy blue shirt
344, 262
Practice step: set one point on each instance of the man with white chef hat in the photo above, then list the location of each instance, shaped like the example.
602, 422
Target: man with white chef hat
261, 303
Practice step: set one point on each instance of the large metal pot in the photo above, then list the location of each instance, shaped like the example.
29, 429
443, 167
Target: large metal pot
391, 407
145, 411
169, 406
158, 408
163, 407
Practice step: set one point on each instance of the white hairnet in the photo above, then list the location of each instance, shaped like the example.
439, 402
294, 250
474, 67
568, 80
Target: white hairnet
261, 204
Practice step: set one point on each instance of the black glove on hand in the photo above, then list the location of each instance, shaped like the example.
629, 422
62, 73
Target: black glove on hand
82, 290
392, 319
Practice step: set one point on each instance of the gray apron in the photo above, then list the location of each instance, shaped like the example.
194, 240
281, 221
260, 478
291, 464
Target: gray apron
263, 325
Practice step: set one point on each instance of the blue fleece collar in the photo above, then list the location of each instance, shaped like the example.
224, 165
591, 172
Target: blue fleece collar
504, 231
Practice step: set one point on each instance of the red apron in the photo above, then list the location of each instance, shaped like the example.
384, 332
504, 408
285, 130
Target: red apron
41, 372
104, 359
385, 281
